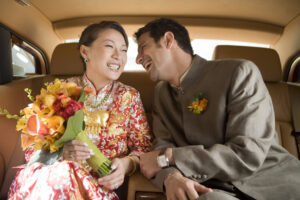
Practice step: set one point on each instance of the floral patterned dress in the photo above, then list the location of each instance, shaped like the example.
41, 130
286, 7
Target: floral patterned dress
124, 131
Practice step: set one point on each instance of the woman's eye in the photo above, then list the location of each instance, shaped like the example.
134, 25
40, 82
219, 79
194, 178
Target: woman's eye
108, 45
124, 50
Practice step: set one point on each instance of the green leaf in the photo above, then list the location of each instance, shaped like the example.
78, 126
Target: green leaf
28, 91
82, 95
8, 115
74, 126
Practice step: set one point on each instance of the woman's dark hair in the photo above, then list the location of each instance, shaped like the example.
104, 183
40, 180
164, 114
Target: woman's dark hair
159, 27
90, 33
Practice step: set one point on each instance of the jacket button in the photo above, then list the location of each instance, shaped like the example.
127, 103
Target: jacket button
199, 176
204, 176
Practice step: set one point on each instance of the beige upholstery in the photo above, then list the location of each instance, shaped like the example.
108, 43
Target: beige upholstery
268, 63
137, 183
267, 59
66, 60
1, 169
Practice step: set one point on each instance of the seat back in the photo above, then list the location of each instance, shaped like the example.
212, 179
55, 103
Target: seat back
268, 62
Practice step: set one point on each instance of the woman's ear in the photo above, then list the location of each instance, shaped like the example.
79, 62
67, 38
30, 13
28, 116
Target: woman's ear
83, 51
169, 39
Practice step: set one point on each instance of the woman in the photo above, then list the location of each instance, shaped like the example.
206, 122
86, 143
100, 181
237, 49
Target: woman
103, 48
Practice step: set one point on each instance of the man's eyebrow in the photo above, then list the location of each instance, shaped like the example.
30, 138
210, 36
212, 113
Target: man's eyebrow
141, 44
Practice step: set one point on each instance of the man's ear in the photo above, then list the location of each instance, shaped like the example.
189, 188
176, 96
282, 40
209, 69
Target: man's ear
169, 39
83, 51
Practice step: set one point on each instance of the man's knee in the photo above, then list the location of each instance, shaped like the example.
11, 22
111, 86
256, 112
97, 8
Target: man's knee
217, 195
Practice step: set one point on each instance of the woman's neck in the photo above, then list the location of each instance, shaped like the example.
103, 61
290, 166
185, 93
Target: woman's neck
97, 81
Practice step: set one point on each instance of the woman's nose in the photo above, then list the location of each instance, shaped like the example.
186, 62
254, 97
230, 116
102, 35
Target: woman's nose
116, 54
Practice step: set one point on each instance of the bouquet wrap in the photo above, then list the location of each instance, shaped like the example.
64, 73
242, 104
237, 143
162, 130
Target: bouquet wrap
99, 162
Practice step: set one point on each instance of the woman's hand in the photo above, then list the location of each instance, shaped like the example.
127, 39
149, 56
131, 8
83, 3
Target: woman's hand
76, 151
121, 166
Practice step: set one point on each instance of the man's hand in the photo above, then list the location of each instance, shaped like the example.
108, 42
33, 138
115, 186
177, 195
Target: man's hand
148, 164
180, 187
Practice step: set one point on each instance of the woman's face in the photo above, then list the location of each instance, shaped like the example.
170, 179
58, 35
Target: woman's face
106, 56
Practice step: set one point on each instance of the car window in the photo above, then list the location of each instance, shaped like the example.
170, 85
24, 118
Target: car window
23, 62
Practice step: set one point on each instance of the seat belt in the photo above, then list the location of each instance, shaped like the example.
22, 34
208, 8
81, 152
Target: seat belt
294, 93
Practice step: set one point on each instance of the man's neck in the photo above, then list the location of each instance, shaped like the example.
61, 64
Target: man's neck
182, 63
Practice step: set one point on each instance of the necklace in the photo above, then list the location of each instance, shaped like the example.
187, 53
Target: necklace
99, 105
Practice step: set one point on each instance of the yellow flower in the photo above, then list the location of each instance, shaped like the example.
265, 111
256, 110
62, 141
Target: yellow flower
49, 100
21, 124
53, 89
55, 124
198, 105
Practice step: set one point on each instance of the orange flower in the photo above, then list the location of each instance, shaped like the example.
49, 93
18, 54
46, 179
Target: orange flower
198, 105
36, 127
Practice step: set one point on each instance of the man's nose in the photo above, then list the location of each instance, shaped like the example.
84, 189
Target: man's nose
139, 59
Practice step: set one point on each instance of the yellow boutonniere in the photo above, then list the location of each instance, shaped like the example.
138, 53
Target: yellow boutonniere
198, 104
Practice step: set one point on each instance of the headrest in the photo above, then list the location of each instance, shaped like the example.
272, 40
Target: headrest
267, 60
66, 60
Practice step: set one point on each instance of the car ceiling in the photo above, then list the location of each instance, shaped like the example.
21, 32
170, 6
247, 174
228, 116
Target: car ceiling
277, 12
261, 21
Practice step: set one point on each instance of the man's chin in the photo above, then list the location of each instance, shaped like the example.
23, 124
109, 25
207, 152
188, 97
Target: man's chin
153, 76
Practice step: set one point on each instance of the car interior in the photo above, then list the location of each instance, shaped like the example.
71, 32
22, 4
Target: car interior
47, 33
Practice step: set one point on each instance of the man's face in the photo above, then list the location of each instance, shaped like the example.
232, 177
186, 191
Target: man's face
154, 57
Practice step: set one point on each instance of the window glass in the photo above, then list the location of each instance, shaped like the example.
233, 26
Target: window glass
23, 61
204, 48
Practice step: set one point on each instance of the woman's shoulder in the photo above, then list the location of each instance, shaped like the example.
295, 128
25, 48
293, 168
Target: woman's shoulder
123, 88
75, 79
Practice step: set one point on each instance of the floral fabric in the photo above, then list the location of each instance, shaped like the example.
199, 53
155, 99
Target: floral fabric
125, 131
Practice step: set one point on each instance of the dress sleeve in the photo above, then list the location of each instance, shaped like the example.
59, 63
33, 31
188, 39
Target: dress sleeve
139, 137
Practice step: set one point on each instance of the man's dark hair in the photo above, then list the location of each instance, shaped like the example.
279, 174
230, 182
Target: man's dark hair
159, 27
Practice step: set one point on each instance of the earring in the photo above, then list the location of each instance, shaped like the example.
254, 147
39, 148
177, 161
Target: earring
86, 60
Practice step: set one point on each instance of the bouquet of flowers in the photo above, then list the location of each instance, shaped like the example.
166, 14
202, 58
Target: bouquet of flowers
54, 117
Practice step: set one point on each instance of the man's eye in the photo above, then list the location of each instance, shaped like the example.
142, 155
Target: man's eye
124, 50
108, 45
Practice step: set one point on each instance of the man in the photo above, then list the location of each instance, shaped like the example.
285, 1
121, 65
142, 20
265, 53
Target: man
214, 124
